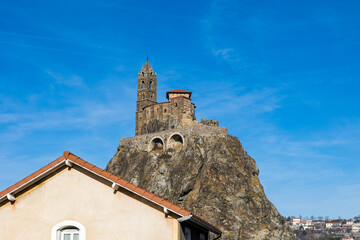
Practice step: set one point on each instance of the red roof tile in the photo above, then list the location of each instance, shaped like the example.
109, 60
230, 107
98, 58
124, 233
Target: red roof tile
177, 91
30, 177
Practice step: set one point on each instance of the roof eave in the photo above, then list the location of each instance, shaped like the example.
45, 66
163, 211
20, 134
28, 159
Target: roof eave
200, 222
34, 180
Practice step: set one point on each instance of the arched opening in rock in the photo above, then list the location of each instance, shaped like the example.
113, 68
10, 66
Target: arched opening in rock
156, 145
176, 141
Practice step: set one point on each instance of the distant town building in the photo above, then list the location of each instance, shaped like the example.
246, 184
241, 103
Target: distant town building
336, 224
356, 227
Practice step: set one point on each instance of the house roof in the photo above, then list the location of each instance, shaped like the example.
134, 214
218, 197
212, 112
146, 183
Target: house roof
178, 91
72, 158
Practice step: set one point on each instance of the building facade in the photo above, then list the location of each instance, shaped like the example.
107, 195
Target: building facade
71, 199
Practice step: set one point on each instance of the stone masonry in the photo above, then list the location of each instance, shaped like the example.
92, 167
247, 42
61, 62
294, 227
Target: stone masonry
168, 139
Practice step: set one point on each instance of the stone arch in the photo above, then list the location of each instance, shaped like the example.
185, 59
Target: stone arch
157, 144
175, 141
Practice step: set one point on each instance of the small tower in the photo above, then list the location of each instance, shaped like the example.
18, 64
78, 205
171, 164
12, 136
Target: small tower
146, 93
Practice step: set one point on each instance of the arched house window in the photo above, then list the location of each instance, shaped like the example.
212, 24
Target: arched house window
68, 230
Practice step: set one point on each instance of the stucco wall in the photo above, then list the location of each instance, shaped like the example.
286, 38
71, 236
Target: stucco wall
72, 195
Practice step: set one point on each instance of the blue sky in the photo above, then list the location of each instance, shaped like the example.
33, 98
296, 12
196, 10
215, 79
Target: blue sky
282, 76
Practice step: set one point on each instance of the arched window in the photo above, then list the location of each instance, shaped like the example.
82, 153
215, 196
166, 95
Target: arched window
156, 145
175, 141
68, 230
143, 73
70, 233
143, 84
150, 84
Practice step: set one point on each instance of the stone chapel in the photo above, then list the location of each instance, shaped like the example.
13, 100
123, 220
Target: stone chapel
152, 116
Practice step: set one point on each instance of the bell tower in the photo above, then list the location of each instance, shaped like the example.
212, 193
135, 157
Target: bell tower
146, 93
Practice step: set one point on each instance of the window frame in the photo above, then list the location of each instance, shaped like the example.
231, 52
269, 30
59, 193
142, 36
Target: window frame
57, 229
69, 231
187, 231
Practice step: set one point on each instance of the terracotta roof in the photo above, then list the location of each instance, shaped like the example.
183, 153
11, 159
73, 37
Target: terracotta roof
110, 177
177, 91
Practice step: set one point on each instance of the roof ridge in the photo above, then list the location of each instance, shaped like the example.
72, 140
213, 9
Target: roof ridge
178, 90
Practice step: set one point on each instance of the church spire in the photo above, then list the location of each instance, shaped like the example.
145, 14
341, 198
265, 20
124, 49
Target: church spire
146, 93
147, 68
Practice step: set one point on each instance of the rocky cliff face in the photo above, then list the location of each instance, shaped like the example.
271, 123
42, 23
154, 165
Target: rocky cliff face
210, 175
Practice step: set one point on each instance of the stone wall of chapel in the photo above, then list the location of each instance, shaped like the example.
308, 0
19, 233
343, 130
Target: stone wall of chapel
176, 113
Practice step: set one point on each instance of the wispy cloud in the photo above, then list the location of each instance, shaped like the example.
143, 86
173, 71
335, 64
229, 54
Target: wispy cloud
70, 81
228, 54
237, 101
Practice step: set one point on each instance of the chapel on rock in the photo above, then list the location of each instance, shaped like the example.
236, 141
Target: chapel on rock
152, 116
